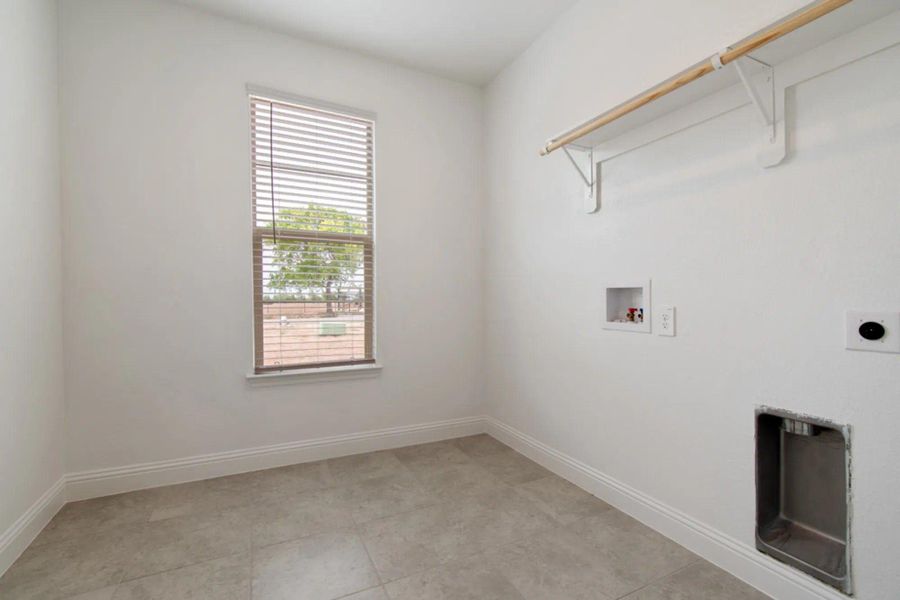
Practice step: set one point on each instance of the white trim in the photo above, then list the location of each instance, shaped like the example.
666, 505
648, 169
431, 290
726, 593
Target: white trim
102, 482
315, 374
738, 558
20, 534
271, 94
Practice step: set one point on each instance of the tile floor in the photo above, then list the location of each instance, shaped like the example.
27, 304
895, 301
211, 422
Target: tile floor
460, 519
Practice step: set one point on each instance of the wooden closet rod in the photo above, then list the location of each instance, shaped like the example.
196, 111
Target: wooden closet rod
773, 32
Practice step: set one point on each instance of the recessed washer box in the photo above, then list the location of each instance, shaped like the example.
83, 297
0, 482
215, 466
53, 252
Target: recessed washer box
803, 494
623, 297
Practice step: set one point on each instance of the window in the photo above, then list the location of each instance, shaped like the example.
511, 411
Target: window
313, 239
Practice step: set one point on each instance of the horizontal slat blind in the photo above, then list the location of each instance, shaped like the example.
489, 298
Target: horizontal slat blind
313, 252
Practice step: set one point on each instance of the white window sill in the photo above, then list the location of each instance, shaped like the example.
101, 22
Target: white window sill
318, 374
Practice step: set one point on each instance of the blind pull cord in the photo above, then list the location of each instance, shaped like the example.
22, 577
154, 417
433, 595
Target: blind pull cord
272, 170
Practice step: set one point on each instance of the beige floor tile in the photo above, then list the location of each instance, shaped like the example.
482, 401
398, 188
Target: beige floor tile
701, 581
203, 497
182, 499
91, 516
294, 516
171, 512
457, 481
467, 580
511, 467
324, 566
60, 529
222, 579
400, 551
237, 515
229, 492
89, 562
437, 455
360, 467
183, 541
529, 517
289, 480
635, 553
104, 594
564, 501
480, 445
449, 531
419, 539
388, 495
555, 564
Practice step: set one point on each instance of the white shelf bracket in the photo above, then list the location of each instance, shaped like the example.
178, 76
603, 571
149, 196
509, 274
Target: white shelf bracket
591, 198
768, 100
765, 107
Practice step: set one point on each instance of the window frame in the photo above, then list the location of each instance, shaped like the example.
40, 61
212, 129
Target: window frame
260, 234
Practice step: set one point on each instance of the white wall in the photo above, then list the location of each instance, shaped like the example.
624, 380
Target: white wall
760, 263
31, 402
157, 237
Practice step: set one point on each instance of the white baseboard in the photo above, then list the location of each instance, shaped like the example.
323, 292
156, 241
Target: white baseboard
103, 482
20, 534
741, 560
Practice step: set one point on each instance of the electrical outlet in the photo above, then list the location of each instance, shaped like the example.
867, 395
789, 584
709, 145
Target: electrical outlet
666, 320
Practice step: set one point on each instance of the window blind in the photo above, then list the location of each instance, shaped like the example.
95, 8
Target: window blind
313, 238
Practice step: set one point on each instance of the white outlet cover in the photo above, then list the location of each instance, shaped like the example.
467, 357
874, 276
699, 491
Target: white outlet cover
889, 320
665, 320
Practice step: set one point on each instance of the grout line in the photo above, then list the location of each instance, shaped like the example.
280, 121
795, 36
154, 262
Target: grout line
252, 565
658, 579
193, 563
178, 568
371, 560
374, 587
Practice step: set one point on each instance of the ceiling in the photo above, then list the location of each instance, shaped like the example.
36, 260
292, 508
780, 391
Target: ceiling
467, 40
